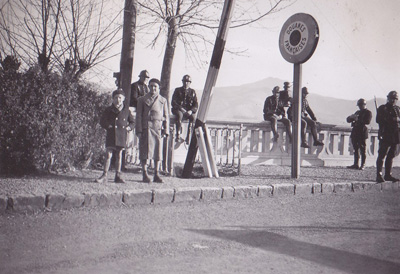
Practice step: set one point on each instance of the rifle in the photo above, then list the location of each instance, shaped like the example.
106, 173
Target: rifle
380, 130
376, 105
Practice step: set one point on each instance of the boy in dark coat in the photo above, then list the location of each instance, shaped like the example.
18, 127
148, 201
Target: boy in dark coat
117, 120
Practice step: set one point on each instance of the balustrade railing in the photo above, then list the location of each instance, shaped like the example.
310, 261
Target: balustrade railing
237, 143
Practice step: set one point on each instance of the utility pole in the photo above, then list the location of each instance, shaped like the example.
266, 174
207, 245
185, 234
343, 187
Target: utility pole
128, 46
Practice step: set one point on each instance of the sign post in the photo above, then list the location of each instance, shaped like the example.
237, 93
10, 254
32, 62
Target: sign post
297, 42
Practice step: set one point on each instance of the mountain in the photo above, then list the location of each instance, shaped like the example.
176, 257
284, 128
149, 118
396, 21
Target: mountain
246, 102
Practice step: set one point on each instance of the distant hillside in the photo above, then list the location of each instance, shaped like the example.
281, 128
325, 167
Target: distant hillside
245, 103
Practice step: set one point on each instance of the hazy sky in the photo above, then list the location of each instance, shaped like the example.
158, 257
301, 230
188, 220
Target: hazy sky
357, 55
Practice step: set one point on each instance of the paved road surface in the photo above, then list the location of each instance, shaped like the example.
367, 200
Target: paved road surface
354, 233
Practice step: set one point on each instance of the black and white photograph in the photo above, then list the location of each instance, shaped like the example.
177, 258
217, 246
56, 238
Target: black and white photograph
199, 136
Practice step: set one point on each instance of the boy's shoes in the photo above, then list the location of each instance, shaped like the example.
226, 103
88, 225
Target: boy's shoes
305, 145
318, 143
118, 179
146, 179
354, 167
362, 167
157, 179
379, 178
102, 179
391, 178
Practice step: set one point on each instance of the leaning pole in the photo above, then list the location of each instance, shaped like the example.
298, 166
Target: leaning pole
297, 42
212, 75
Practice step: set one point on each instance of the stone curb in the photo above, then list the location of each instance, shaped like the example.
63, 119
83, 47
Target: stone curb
31, 203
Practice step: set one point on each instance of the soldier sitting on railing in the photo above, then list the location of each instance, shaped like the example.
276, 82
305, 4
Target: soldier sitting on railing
274, 112
184, 106
305, 120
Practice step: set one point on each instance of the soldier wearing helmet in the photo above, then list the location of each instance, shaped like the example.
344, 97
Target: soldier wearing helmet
359, 133
274, 111
388, 117
184, 106
139, 88
307, 119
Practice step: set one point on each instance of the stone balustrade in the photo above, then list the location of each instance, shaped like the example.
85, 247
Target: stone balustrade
236, 143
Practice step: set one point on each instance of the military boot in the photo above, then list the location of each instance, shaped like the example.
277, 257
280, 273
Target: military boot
379, 177
389, 177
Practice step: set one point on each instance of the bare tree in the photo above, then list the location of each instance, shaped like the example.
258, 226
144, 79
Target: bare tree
67, 36
191, 22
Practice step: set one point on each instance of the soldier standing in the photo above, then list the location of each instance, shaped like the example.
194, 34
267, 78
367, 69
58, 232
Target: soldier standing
388, 117
359, 133
139, 88
274, 112
184, 106
285, 94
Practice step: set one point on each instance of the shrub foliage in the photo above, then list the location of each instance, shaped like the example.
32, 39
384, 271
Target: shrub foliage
48, 122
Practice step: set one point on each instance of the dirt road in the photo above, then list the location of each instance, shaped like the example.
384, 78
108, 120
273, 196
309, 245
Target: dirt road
356, 233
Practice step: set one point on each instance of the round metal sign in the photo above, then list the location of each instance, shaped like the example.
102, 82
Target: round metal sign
298, 38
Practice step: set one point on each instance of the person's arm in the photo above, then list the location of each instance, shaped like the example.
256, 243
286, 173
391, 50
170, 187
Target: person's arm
351, 118
139, 114
166, 118
367, 118
310, 112
195, 105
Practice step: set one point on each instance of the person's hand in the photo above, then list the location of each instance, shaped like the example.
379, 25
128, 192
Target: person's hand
138, 134
189, 112
128, 128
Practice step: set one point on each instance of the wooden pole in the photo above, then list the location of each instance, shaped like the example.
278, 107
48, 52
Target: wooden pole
128, 46
212, 75
296, 108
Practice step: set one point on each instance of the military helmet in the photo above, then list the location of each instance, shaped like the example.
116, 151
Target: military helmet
186, 78
144, 73
304, 91
286, 84
275, 89
361, 102
393, 94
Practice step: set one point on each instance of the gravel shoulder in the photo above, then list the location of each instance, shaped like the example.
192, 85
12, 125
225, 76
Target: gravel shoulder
83, 181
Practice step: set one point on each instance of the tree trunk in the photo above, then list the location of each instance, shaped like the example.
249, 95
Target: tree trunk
168, 58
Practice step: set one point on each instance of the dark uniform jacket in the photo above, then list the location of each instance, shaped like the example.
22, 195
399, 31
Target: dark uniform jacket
305, 109
116, 122
273, 105
387, 117
184, 99
363, 118
138, 89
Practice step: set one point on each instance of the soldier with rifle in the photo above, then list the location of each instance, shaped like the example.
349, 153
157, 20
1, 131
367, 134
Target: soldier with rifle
359, 133
388, 117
